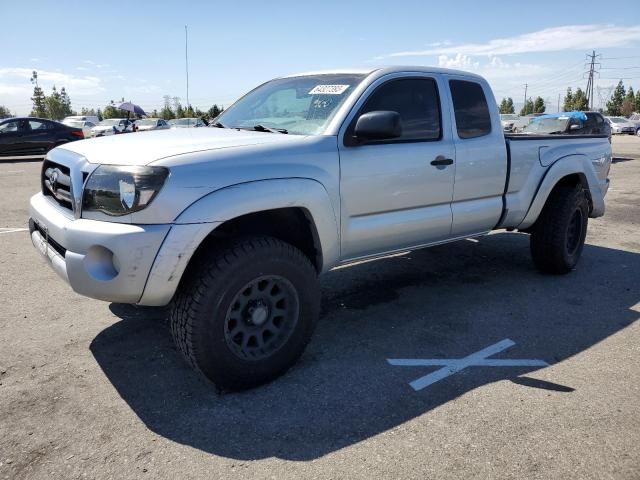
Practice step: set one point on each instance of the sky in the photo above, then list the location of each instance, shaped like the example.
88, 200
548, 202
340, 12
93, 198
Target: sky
108, 50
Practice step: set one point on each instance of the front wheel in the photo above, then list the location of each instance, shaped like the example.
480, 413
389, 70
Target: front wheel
557, 238
246, 314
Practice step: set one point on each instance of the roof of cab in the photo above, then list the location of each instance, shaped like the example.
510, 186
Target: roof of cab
386, 70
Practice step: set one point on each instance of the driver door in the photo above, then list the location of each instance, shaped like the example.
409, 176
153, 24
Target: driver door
397, 193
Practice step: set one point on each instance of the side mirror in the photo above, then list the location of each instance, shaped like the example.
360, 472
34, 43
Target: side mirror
575, 127
378, 125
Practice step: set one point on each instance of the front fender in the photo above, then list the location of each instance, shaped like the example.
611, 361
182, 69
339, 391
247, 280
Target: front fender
569, 165
202, 217
236, 200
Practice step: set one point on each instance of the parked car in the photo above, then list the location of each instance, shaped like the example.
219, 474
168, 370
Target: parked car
523, 121
231, 225
112, 126
85, 125
188, 123
84, 118
621, 125
26, 138
508, 121
635, 119
569, 123
146, 124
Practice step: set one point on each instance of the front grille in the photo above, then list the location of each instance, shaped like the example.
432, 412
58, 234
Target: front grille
56, 183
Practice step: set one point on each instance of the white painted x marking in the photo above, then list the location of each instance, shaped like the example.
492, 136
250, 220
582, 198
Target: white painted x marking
455, 365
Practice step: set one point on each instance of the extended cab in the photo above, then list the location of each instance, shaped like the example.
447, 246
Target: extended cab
232, 224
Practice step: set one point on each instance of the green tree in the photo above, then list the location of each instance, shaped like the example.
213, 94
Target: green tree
510, 107
215, 110
66, 102
39, 105
90, 112
110, 111
538, 105
567, 104
506, 106
629, 103
580, 101
527, 109
55, 106
614, 106
503, 106
178, 110
166, 113
4, 112
637, 102
189, 112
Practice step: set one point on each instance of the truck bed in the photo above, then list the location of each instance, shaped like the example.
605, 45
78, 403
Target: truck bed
530, 156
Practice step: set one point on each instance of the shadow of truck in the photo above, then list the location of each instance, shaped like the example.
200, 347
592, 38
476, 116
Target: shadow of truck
448, 301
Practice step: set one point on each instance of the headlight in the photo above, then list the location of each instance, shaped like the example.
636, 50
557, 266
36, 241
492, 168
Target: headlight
118, 190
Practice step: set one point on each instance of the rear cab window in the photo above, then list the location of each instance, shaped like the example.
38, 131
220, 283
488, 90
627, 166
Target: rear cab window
472, 115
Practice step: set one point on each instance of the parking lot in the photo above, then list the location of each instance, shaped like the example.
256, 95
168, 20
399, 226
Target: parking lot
97, 390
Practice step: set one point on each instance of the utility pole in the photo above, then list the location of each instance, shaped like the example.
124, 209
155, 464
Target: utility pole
559, 102
525, 98
186, 59
592, 67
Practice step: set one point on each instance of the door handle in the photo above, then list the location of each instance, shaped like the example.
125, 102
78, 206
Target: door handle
441, 161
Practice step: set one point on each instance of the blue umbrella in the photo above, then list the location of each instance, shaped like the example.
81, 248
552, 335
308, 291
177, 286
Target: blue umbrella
131, 107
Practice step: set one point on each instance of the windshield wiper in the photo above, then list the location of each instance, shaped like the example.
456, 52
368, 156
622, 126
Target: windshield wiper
262, 128
218, 125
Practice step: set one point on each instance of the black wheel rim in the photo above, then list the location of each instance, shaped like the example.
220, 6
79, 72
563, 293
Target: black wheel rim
261, 318
574, 232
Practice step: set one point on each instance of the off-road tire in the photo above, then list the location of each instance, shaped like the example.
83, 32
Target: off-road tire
558, 236
199, 311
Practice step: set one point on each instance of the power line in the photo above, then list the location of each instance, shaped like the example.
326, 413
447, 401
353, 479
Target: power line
620, 58
618, 78
618, 68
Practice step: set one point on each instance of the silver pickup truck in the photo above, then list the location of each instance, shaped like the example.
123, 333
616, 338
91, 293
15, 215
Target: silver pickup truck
231, 225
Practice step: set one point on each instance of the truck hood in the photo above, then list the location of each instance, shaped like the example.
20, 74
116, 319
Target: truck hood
136, 149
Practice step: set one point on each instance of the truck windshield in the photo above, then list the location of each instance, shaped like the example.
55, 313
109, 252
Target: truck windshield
301, 105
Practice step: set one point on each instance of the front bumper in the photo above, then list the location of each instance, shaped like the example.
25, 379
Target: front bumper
103, 260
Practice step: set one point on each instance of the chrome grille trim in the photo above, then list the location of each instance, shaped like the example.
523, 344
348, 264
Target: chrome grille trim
71, 171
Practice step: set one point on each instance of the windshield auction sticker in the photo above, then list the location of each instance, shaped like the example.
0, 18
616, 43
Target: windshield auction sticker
328, 89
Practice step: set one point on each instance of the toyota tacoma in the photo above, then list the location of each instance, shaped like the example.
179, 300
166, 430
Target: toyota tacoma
231, 225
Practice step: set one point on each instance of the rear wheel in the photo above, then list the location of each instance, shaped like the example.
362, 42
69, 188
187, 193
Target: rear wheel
557, 239
246, 314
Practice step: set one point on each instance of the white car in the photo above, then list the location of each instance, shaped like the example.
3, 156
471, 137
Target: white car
509, 121
187, 123
112, 126
151, 124
88, 118
85, 125
635, 119
621, 125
